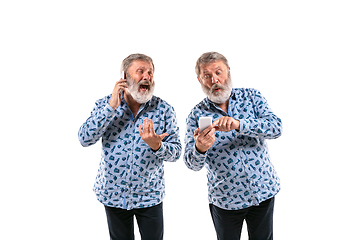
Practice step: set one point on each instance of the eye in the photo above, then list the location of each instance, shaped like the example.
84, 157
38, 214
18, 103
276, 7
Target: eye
218, 72
207, 76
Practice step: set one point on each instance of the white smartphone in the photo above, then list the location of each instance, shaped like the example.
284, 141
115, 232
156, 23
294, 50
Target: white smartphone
122, 75
204, 122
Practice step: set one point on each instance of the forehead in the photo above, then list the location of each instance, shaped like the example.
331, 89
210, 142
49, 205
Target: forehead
141, 64
213, 66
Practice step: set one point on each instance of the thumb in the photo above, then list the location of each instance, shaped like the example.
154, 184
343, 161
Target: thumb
162, 136
196, 132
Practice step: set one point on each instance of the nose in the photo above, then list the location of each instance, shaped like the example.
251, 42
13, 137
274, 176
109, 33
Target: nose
146, 76
214, 80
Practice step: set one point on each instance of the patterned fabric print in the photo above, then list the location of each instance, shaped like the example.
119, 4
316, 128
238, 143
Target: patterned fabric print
239, 170
131, 175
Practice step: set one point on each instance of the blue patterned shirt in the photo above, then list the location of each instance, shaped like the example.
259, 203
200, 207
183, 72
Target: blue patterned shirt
239, 170
131, 174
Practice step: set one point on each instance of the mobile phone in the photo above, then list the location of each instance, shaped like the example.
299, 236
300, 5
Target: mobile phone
204, 122
123, 75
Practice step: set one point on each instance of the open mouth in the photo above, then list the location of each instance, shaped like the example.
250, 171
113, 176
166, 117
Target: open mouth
144, 87
216, 89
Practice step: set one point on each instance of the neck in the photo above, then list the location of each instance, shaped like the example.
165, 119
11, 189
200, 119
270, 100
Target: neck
133, 105
224, 106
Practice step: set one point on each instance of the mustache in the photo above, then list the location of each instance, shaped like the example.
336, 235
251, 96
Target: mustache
217, 85
144, 82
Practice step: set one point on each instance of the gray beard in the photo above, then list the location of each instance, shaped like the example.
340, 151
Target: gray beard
140, 97
218, 97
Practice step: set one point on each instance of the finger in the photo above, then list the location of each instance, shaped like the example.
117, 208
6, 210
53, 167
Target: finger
210, 135
146, 125
216, 122
152, 130
122, 86
140, 131
121, 80
206, 131
230, 124
119, 83
196, 132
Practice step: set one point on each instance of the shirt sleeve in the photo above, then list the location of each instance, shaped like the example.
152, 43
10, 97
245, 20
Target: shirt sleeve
95, 126
170, 149
192, 158
266, 124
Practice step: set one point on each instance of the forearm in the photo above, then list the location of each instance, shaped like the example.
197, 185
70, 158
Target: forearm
264, 123
95, 126
193, 159
169, 152
268, 128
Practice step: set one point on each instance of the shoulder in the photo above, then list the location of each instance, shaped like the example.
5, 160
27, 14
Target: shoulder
159, 103
245, 94
245, 91
103, 101
200, 107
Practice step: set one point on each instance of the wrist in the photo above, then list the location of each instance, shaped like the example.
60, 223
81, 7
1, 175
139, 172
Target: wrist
112, 105
156, 147
200, 150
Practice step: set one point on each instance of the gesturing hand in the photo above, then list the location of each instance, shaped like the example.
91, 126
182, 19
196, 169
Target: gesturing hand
149, 136
226, 124
205, 139
115, 100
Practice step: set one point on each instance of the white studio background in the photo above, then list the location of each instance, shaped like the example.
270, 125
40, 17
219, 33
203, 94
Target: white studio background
58, 57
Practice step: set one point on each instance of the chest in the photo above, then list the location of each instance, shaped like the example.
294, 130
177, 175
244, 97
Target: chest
124, 128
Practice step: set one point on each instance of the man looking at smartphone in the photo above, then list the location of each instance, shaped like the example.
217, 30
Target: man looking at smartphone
242, 182
139, 132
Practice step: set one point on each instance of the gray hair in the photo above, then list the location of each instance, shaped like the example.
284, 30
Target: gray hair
126, 63
207, 58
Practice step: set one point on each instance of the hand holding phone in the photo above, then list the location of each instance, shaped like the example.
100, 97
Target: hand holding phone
119, 87
204, 122
204, 141
123, 76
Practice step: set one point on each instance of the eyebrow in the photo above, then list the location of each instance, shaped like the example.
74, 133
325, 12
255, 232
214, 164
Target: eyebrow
217, 68
144, 68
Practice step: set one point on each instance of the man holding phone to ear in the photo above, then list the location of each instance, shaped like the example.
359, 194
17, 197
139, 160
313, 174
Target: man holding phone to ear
242, 182
139, 132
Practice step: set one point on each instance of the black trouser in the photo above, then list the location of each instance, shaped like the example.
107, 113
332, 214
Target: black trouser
149, 220
259, 220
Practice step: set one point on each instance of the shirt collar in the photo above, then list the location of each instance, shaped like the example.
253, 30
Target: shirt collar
210, 104
143, 106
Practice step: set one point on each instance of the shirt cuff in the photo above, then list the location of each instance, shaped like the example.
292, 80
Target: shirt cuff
109, 111
160, 152
243, 126
199, 156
